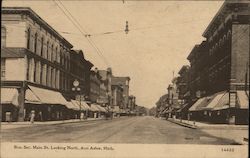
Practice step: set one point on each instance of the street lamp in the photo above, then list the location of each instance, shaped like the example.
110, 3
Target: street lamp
78, 89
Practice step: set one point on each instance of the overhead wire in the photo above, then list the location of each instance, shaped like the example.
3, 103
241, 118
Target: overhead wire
81, 30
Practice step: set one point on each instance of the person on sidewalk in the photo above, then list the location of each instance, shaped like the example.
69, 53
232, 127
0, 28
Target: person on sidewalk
32, 116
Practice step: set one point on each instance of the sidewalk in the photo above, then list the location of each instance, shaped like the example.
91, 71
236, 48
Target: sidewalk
11, 125
238, 133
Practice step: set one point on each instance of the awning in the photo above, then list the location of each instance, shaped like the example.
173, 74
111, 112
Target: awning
30, 97
9, 96
76, 104
83, 106
243, 99
195, 106
93, 107
102, 109
223, 102
116, 109
218, 99
70, 105
48, 96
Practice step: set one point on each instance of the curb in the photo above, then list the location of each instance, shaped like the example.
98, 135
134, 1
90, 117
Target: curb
47, 123
183, 124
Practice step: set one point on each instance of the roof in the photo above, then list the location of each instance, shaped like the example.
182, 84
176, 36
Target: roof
12, 52
119, 80
183, 68
28, 11
223, 12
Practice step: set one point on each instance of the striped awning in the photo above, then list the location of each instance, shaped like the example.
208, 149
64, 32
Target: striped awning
9, 96
94, 107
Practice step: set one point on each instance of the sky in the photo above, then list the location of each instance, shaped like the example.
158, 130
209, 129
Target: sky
162, 34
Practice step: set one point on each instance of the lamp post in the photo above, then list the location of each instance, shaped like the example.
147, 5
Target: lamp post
76, 88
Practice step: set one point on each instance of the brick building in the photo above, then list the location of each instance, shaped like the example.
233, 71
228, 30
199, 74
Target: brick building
219, 66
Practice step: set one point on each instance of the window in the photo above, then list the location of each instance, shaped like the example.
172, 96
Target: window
28, 38
52, 53
3, 68
47, 54
35, 67
3, 37
56, 54
28, 69
41, 73
35, 43
42, 47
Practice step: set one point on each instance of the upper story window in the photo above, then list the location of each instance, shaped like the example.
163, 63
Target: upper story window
28, 38
42, 40
3, 68
47, 50
3, 37
35, 43
52, 53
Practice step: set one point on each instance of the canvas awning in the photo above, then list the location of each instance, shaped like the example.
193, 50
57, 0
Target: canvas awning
93, 107
218, 99
48, 96
9, 96
102, 109
30, 97
76, 105
83, 106
70, 105
116, 109
195, 106
243, 100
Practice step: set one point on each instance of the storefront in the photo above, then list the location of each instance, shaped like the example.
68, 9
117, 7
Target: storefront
9, 104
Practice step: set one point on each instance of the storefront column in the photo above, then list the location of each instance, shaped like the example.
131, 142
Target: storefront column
21, 96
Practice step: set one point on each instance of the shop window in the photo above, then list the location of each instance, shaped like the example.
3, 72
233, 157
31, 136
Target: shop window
3, 37
3, 69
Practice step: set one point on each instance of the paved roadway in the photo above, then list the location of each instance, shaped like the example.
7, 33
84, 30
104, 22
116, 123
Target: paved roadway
140, 130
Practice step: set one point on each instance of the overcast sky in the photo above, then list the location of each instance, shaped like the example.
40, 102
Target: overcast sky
162, 34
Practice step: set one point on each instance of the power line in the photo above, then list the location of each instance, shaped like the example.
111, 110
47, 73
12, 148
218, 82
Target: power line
82, 31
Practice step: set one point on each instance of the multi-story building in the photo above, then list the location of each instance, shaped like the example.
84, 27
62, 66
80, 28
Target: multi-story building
80, 71
105, 96
35, 61
220, 64
124, 83
95, 82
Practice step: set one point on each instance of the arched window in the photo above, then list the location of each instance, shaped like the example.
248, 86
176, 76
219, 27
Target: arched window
28, 38
35, 43
42, 40
3, 36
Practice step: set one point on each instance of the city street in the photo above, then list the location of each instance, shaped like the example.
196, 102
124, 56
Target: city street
145, 129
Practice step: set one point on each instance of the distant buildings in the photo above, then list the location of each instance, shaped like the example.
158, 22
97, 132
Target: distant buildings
43, 76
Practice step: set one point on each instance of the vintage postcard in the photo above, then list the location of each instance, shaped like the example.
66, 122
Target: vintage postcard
125, 78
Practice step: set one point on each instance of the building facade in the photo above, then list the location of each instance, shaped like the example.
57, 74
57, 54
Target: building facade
219, 66
124, 83
38, 57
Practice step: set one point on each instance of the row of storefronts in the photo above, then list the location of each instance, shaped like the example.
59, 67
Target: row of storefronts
214, 88
49, 105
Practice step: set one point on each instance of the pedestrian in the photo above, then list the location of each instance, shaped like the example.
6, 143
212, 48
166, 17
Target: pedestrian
32, 116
